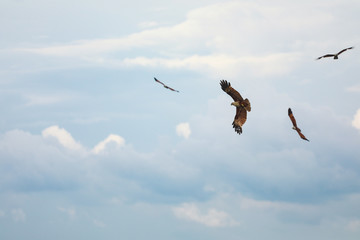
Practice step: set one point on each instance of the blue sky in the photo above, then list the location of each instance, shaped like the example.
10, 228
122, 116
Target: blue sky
92, 148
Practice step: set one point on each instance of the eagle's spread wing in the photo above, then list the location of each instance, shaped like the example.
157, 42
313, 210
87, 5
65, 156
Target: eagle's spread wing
301, 135
292, 118
172, 89
240, 119
326, 55
165, 85
246, 104
335, 55
226, 87
159, 81
345, 50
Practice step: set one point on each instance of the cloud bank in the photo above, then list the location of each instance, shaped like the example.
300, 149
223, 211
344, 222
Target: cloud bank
206, 49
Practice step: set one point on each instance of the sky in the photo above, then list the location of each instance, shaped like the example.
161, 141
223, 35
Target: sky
91, 147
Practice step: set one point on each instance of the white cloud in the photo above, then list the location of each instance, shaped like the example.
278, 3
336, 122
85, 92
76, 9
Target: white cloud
183, 130
205, 24
204, 30
63, 136
36, 164
213, 218
94, 47
18, 215
356, 120
271, 64
112, 138
140, 177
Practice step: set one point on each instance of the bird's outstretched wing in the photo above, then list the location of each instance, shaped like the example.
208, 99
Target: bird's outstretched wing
302, 135
165, 86
247, 105
292, 118
345, 49
171, 89
159, 82
335, 55
226, 87
326, 55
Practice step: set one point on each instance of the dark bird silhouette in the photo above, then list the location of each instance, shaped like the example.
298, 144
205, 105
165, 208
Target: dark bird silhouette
165, 85
242, 106
336, 56
292, 118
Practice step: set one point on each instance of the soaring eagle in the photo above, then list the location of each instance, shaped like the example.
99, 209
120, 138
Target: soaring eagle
165, 85
242, 106
292, 118
336, 55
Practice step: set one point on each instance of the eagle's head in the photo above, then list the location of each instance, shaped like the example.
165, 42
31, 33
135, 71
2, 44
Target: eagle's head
236, 104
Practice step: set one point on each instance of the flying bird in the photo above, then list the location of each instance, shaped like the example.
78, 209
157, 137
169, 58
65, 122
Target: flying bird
242, 106
336, 56
292, 118
165, 85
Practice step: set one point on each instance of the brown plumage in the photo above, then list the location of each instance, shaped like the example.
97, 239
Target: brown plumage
295, 127
242, 106
165, 85
336, 55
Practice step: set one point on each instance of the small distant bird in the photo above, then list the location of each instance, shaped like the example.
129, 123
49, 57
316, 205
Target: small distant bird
165, 85
336, 56
292, 118
242, 106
